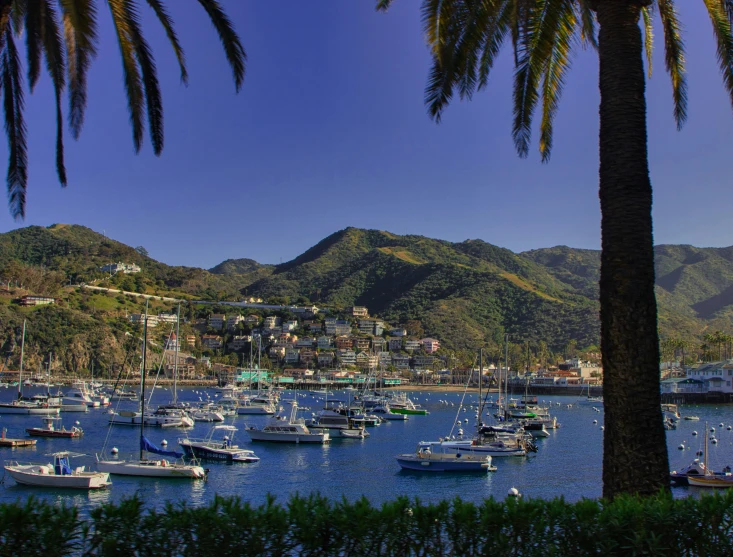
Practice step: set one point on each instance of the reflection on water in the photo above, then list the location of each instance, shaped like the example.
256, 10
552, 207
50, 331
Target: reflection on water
568, 462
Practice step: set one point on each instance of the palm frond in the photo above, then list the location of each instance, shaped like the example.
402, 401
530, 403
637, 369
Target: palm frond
13, 104
500, 26
229, 39
729, 9
535, 46
130, 68
153, 97
588, 33
80, 35
17, 15
722, 31
441, 26
167, 24
647, 12
674, 58
32, 28
56, 66
383, 5
558, 65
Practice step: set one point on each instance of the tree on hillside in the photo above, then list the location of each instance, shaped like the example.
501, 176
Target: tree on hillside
142, 251
64, 32
465, 37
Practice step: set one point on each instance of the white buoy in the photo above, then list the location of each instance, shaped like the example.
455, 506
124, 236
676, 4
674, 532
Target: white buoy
114, 450
729, 428
714, 441
513, 492
595, 422
77, 422
694, 432
466, 420
164, 442
603, 428
681, 447
712, 430
721, 424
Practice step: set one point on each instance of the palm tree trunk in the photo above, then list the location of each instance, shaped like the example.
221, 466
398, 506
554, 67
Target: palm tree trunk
632, 462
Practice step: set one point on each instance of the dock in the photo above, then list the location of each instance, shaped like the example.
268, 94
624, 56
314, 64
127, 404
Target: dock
7, 442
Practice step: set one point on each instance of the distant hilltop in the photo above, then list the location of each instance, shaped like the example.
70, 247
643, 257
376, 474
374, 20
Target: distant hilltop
467, 294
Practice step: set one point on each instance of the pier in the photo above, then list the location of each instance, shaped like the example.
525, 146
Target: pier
8, 442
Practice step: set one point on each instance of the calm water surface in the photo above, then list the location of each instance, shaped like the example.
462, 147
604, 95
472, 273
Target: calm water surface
568, 462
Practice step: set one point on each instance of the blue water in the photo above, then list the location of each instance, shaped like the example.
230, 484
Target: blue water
568, 462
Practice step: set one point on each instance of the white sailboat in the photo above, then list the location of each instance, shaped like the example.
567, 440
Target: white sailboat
143, 466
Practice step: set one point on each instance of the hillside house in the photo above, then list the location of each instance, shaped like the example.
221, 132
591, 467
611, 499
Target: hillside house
395, 344
401, 361
212, 342
217, 321
379, 344
167, 318
359, 311
36, 301
371, 326
361, 343
119, 267
343, 343
292, 355
307, 356
325, 358
233, 321
288, 326
346, 357
140, 317
324, 342
305, 342
430, 345
412, 345
252, 320
271, 322
240, 342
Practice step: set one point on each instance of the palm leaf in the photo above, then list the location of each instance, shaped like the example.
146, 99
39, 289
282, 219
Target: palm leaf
17, 15
130, 68
441, 27
674, 58
588, 35
647, 12
80, 35
232, 46
722, 31
153, 97
32, 27
56, 65
495, 35
167, 23
558, 65
13, 104
535, 46
383, 5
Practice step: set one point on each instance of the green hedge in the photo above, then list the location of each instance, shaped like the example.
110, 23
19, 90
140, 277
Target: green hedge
315, 526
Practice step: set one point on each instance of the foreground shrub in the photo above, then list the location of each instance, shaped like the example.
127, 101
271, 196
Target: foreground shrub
315, 526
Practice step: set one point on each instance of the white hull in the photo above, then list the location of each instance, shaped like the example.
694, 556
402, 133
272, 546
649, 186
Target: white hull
489, 449
124, 418
33, 410
151, 469
256, 410
39, 476
284, 437
74, 408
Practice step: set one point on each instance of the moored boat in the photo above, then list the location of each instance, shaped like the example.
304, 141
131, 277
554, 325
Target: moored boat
50, 430
58, 474
211, 448
430, 457
287, 429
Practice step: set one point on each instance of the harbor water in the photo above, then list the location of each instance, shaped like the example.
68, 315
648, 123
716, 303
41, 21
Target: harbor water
568, 463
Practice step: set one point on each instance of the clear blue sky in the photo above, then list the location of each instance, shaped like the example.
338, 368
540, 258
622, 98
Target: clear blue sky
330, 131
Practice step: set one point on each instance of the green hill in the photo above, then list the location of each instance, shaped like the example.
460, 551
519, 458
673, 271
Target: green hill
468, 294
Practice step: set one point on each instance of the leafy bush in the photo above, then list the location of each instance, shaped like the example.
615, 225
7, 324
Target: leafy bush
314, 526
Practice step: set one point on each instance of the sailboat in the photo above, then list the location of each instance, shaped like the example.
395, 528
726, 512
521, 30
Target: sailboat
709, 478
38, 406
143, 466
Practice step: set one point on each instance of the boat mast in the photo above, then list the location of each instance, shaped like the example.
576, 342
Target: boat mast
480, 380
20, 370
175, 363
142, 382
506, 377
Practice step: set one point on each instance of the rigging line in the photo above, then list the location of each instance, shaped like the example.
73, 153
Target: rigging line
160, 366
460, 405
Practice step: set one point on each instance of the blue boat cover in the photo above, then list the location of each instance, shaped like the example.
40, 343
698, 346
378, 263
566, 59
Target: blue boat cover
62, 467
146, 445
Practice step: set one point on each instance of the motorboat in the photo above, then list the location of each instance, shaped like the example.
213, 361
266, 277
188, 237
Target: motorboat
221, 449
160, 418
692, 418
74, 408
260, 405
50, 430
206, 413
696, 469
29, 407
385, 413
337, 425
122, 394
403, 405
431, 457
58, 474
80, 394
287, 429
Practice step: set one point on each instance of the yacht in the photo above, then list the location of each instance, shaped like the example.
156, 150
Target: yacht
79, 394
287, 429
211, 448
336, 424
432, 457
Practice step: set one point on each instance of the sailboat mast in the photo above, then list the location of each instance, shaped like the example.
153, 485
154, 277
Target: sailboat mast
175, 363
20, 372
142, 383
480, 380
506, 376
